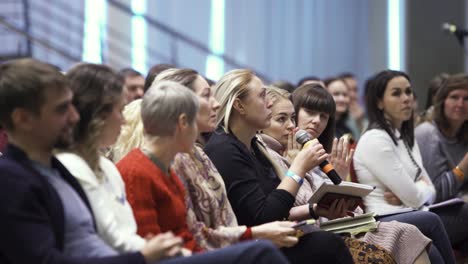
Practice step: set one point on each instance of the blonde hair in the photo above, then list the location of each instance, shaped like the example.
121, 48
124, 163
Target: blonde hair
132, 133
232, 85
274, 93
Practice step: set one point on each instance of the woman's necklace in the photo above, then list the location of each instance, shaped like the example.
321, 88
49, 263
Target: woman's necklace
419, 170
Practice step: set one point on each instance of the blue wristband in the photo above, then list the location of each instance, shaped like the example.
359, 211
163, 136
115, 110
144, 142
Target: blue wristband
295, 177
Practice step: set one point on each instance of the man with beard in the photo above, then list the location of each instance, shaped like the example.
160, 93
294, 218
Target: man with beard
45, 216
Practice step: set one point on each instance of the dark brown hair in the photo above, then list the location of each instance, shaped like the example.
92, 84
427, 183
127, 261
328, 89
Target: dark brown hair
434, 87
153, 72
23, 84
314, 97
307, 78
454, 82
374, 92
129, 72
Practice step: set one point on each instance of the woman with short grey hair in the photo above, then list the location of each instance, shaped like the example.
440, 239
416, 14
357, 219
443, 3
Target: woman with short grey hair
168, 114
161, 109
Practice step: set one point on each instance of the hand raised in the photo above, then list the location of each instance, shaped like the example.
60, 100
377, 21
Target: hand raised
341, 156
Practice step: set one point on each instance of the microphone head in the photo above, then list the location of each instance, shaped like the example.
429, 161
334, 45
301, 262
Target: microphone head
448, 27
302, 136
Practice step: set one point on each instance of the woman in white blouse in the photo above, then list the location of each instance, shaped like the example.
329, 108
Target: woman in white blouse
387, 155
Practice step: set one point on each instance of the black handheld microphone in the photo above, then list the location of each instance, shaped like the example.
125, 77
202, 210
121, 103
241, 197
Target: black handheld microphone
303, 138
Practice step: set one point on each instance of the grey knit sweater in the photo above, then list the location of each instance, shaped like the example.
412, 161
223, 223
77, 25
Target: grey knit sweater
440, 155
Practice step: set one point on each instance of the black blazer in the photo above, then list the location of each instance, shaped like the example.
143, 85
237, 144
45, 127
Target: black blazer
31, 215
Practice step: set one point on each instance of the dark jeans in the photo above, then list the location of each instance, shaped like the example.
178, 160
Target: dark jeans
254, 252
431, 226
455, 219
319, 247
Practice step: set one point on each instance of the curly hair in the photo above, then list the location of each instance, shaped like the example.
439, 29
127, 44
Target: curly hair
96, 90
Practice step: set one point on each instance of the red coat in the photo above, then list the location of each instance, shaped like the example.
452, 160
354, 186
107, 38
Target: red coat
157, 200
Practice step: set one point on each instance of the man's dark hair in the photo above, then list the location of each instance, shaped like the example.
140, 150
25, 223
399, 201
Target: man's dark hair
346, 75
23, 84
307, 78
153, 72
129, 72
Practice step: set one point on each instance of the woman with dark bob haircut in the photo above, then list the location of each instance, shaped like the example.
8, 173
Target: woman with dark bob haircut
314, 96
388, 158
